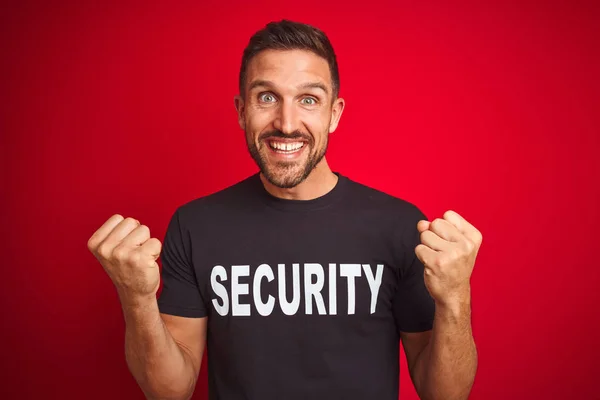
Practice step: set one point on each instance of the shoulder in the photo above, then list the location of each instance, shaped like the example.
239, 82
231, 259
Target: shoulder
364, 196
226, 200
395, 218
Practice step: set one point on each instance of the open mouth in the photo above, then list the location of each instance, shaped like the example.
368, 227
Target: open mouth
285, 147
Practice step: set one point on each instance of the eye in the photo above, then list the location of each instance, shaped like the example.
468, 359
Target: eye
266, 97
309, 101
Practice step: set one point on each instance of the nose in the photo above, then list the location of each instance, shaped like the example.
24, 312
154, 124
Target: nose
286, 120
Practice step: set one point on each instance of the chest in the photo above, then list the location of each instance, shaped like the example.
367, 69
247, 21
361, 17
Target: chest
272, 267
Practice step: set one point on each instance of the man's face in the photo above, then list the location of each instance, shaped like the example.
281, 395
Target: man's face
287, 113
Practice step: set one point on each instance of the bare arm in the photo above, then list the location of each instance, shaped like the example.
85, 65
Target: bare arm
443, 362
163, 352
443, 366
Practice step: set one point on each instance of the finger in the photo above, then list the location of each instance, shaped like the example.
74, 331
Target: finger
463, 226
104, 231
121, 231
152, 247
425, 254
434, 242
422, 225
445, 230
137, 237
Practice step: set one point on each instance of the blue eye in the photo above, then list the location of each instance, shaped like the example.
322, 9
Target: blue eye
311, 102
267, 97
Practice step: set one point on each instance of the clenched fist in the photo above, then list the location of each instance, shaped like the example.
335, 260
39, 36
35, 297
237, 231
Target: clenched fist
128, 255
448, 249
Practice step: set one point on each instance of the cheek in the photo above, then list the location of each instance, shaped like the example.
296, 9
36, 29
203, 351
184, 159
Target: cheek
257, 123
318, 126
320, 133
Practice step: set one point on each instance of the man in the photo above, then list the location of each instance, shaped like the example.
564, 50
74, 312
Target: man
301, 281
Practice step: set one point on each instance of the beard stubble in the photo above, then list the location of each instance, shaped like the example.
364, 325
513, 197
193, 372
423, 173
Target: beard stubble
281, 174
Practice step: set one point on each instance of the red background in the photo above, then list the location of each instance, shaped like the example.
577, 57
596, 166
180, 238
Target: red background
487, 109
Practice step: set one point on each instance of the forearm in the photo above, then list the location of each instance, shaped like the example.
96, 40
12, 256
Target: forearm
160, 367
446, 367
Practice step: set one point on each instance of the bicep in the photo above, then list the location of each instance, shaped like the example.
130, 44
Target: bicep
414, 343
189, 334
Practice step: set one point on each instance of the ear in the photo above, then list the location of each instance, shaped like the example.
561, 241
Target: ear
239, 108
336, 113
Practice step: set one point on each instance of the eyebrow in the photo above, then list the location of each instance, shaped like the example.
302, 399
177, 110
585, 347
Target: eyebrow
304, 86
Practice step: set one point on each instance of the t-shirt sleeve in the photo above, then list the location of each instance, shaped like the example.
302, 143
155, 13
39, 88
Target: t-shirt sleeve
180, 293
413, 306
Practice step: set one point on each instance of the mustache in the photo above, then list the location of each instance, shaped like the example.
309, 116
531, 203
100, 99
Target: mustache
281, 135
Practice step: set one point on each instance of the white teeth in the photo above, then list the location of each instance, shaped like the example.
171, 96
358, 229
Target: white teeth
286, 146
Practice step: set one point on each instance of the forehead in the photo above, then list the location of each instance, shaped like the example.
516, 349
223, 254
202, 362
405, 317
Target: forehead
288, 67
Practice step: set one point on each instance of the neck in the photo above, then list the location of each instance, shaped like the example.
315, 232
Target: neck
320, 182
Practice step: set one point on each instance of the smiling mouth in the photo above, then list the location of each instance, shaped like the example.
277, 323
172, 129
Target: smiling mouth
286, 147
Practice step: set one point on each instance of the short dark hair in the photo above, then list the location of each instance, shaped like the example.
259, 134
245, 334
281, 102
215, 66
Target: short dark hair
290, 35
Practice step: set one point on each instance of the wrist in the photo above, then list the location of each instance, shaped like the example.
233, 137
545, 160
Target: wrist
456, 305
138, 308
134, 300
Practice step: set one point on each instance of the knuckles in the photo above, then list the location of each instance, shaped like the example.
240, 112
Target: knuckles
104, 252
156, 242
145, 232
131, 221
91, 244
134, 258
478, 237
121, 254
129, 266
441, 262
469, 246
118, 217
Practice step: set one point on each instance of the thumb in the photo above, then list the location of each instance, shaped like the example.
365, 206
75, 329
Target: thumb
423, 225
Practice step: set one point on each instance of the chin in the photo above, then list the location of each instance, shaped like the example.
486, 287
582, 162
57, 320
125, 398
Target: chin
285, 175
283, 179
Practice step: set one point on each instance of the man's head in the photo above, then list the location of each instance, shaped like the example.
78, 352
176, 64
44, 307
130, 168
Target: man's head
288, 102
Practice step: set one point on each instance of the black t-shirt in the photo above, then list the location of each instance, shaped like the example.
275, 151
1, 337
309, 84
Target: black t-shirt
304, 299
